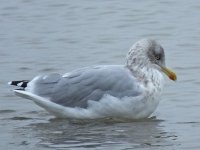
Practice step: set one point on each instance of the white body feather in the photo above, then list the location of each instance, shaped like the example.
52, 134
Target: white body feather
108, 106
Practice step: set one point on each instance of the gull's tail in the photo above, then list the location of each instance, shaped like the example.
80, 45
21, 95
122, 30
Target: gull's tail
22, 83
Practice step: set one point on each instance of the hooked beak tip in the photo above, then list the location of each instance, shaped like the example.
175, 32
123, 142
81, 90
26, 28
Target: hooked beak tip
169, 73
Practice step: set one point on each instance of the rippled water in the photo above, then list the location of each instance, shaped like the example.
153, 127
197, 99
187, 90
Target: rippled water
38, 37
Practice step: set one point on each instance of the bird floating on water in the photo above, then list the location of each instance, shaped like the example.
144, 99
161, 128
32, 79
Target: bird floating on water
130, 91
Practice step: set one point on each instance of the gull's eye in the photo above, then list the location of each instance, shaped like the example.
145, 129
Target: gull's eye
157, 57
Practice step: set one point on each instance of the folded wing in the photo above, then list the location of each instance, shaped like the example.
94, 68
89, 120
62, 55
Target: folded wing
75, 88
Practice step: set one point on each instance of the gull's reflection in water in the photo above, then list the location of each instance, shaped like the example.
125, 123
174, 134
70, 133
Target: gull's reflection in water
103, 134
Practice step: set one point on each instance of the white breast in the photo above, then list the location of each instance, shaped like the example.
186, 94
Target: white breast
153, 89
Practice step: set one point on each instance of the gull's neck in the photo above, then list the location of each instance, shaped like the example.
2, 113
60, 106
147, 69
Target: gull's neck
147, 74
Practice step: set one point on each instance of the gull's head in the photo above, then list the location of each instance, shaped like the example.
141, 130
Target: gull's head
148, 53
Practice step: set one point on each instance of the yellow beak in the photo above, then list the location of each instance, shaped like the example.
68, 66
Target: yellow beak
169, 73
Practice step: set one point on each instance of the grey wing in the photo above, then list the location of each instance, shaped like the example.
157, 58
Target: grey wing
74, 89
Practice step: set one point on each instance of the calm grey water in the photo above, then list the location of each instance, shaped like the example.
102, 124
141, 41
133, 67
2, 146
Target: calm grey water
38, 37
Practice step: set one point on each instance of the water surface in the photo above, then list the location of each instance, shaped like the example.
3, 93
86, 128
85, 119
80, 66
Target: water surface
39, 37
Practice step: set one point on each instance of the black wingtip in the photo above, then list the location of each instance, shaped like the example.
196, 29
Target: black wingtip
22, 83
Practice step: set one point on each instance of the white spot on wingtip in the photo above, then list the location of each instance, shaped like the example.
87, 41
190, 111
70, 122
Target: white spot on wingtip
9, 83
20, 84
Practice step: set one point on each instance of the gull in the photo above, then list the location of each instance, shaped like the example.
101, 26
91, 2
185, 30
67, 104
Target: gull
130, 91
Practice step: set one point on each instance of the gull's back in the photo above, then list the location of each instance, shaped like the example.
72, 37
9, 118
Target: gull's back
75, 88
